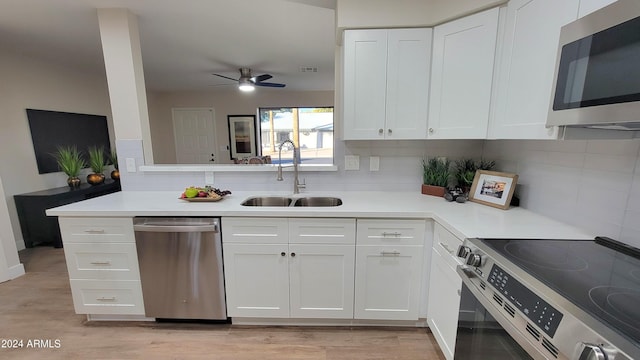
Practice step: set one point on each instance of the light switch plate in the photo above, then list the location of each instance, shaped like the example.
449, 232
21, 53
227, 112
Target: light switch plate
352, 162
374, 163
131, 165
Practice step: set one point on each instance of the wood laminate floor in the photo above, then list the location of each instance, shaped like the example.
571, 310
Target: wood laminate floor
37, 307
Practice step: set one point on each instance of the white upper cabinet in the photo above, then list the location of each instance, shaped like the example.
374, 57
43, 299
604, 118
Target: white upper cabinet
461, 76
589, 6
526, 68
386, 83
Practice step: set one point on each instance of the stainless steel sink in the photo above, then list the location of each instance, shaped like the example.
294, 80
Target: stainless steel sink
267, 201
283, 201
318, 201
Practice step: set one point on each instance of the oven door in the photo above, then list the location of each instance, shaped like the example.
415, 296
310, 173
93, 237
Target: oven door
485, 333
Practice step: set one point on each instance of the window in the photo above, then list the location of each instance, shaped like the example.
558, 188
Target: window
309, 128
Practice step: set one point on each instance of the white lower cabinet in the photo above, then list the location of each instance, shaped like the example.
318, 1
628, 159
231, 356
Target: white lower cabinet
257, 279
444, 286
103, 268
321, 281
389, 258
304, 271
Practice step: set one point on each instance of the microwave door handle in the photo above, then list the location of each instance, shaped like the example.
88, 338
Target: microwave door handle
466, 274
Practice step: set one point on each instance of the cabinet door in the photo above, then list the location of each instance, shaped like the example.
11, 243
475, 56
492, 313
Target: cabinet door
321, 280
589, 6
461, 76
444, 303
365, 77
408, 64
257, 280
387, 282
526, 69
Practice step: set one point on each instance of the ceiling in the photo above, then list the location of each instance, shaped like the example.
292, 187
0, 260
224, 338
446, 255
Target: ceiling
184, 42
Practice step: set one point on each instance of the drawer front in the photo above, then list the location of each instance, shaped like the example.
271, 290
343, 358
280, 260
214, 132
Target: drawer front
322, 231
255, 230
446, 244
117, 261
87, 229
107, 297
391, 232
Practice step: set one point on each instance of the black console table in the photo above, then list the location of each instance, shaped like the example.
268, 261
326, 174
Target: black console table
36, 226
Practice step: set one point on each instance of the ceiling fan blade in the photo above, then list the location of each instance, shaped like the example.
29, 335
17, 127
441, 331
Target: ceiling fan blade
261, 78
226, 77
270, 84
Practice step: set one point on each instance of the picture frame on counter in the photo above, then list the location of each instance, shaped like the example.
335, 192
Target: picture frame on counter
493, 188
242, 136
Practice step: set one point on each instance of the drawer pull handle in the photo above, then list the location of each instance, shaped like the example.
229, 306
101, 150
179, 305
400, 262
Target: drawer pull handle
92, 231
446, 248
112, 298
101, 263
390, 253
396, 234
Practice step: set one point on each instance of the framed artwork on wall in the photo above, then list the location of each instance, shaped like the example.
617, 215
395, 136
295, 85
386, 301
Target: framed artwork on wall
242, 136
493, 188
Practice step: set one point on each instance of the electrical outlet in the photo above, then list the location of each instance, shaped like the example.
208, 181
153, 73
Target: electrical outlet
374, 163
131, 165
352, 162
208, 177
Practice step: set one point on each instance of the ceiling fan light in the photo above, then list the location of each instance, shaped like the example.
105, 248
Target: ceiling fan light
245, 85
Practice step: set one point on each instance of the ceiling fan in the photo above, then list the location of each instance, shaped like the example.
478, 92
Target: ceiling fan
246, 82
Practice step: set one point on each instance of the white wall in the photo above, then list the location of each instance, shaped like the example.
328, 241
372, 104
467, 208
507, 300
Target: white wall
31, 83
398, 13
593, 184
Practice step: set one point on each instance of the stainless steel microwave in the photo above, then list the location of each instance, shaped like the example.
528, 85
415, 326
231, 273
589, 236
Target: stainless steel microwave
597, 77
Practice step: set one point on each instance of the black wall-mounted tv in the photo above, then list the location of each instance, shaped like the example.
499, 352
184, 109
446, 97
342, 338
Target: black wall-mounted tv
50, 129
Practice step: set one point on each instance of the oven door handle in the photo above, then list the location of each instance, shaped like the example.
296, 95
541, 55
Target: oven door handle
467, 274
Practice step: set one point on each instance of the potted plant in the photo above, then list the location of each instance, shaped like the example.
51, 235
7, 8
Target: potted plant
97, 164
113, 159
70, 162
465, 171
435, 176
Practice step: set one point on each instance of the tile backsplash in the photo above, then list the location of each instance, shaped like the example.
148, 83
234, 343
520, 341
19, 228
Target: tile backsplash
593, 184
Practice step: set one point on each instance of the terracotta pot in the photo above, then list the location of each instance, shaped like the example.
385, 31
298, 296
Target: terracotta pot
95, 179
73, 181
433, 190
115, 175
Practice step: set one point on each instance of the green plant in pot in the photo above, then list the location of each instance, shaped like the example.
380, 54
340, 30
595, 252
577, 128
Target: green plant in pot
465, 171
70, 162
113, 159
97, 164
435, 176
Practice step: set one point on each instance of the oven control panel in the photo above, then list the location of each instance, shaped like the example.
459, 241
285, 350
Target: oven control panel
531, 305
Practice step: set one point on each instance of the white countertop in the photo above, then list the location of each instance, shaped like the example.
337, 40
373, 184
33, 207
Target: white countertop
464, 220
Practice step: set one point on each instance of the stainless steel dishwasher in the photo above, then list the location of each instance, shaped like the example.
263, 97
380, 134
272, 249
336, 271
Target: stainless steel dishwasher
181, 268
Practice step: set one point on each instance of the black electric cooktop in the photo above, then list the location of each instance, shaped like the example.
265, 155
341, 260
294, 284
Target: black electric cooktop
600, 276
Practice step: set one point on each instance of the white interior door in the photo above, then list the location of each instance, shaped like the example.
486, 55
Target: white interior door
194, 132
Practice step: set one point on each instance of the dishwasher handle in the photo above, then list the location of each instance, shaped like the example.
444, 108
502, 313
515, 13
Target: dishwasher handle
176, 228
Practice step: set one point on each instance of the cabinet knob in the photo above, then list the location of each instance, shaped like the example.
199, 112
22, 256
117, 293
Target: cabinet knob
283, 254
389, 131
293, 254
380, 131
430, 130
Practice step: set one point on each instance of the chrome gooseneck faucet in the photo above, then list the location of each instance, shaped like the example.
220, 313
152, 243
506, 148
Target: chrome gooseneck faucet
296, 157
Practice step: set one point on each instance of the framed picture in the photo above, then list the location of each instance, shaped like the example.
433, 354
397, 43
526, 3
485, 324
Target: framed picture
493, 188
242, 136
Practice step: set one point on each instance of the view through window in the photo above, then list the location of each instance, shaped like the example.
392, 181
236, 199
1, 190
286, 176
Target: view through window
310, 129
